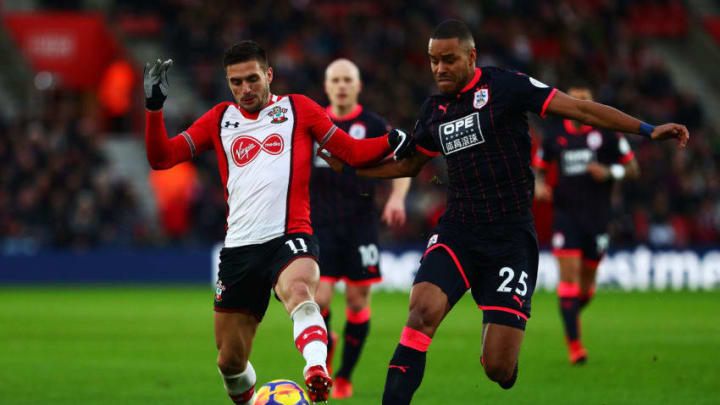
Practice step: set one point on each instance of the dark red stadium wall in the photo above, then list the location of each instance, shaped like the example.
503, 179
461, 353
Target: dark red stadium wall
75, 46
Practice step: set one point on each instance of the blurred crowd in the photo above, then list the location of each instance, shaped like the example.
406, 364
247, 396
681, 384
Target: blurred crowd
56, 189
54, 184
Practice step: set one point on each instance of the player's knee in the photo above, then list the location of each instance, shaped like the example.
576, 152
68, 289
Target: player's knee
499, 371
423, 318
231, 364
298, 291
357, 303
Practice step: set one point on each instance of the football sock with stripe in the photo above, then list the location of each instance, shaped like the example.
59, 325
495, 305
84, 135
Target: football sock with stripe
568, 295
356, 331
310, 333
241, 387
407, 367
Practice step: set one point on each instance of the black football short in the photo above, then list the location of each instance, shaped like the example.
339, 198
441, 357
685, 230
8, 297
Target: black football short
498, 263
575, 236
248, 273
349, 253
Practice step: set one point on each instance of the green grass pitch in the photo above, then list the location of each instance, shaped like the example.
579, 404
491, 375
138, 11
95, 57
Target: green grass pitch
154, 345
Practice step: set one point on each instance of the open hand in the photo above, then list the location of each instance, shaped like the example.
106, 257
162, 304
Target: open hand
155, 83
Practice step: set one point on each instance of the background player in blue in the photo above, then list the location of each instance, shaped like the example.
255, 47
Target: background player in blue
345, 220
485, 239
589, 162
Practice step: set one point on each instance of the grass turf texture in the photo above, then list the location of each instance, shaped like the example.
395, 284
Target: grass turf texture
148, 345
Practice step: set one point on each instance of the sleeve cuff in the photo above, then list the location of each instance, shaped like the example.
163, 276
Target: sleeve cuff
543, 112
426, 151
539, 163
624, 159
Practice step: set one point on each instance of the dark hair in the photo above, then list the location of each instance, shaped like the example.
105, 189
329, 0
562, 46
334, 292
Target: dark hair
244, 51
453, 29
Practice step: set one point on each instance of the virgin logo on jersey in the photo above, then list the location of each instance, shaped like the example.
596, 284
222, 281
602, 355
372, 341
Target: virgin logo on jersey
246, 148
461, 134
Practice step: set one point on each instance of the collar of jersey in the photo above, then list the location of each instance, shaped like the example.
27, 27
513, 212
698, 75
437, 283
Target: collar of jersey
474, 80
353, 114
570, 128
253, 116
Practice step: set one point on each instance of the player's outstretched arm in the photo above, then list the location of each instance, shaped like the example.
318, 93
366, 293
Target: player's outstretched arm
603, 116
388, 169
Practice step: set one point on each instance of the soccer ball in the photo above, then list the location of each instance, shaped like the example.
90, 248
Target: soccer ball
281, 392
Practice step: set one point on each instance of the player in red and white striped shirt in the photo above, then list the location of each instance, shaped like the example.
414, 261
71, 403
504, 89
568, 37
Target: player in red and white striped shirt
264, 145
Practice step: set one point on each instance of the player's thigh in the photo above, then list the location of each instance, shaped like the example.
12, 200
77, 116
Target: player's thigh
357, 297
428, 307
294, 269
569, 269
234, 335
505, 274
588, 275
439, 284
298, 282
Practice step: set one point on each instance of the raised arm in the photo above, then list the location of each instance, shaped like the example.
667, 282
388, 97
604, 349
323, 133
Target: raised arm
603, 116
164, 153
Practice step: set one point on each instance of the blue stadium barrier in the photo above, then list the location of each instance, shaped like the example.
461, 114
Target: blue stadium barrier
634, 269
109, 266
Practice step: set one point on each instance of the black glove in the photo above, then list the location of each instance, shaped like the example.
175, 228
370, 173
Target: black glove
403, 145
155, 83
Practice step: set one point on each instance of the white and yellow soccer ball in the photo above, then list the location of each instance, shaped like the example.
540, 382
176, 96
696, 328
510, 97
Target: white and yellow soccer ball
281, 392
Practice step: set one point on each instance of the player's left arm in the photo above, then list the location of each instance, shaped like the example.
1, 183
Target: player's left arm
355, 152
388, 169
603, 116
394, 211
